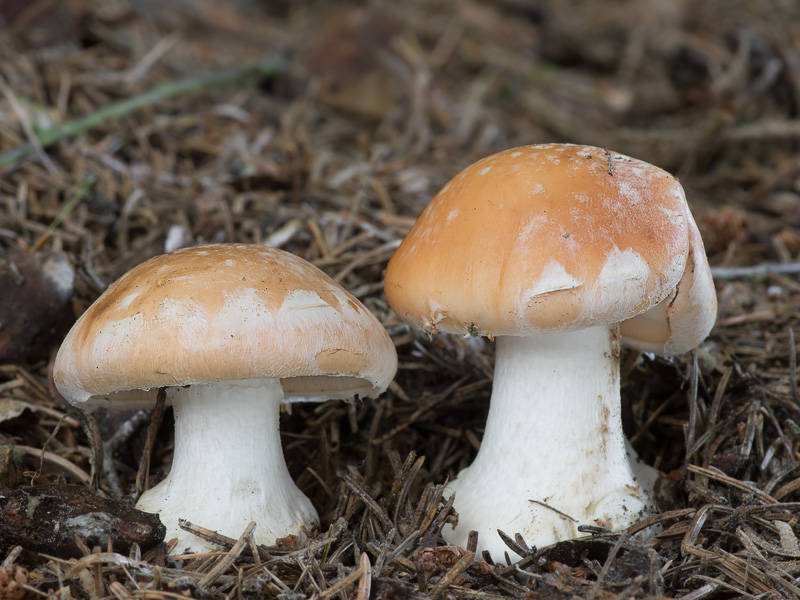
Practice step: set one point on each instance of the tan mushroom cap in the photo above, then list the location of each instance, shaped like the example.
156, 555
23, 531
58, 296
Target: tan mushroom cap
555, 237
684, 318
224, 312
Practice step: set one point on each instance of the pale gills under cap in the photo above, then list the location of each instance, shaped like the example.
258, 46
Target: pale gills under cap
225, 312
556, 237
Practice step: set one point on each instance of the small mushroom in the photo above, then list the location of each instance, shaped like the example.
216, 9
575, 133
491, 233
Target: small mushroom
559, 252
231, 330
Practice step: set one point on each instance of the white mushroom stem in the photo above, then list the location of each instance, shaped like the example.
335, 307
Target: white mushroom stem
553, 455
228, 467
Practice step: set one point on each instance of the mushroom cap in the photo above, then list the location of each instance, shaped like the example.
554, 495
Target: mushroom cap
683, 319
224, 312
554, 237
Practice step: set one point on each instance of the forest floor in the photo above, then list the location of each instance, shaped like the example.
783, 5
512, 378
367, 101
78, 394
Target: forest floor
132, 127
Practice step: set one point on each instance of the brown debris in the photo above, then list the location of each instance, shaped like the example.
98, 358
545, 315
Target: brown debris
721, 229
347, 57
13, 579
375, 107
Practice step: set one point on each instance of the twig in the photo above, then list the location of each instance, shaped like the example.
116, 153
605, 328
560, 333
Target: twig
151, 57
793, 366
734, 483
159, 93
343, 583
44, 453
203, 533
766, 129
420, 411
111, 476
691, 426
34, 144
12, 557
123, 433
403, 546
365, 584
91, 428
452, 574
755, 271
659, 518
152, 430
119, 591
60, 462
607, 564
228, 559
126, 431
373, 506
696, 525
706, 590
514, 544
555, 510
358, 199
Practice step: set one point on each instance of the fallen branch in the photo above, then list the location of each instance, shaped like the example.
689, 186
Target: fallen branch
757, 271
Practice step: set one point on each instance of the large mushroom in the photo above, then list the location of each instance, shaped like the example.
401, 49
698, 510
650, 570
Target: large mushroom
559, 252
231, 330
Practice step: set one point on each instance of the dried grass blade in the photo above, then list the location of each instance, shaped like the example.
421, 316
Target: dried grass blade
102, 557
119, 591
607, 564
734, 483
365, 584
694, 530
87, 183
659, 518
159, 93
452, 574
229, 558
373, 506
793, 365
403, 546
152, 430
74, 470
343, 583
205, 534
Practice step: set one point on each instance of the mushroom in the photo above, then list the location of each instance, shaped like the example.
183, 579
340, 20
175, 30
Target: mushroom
558, 252
231, 331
